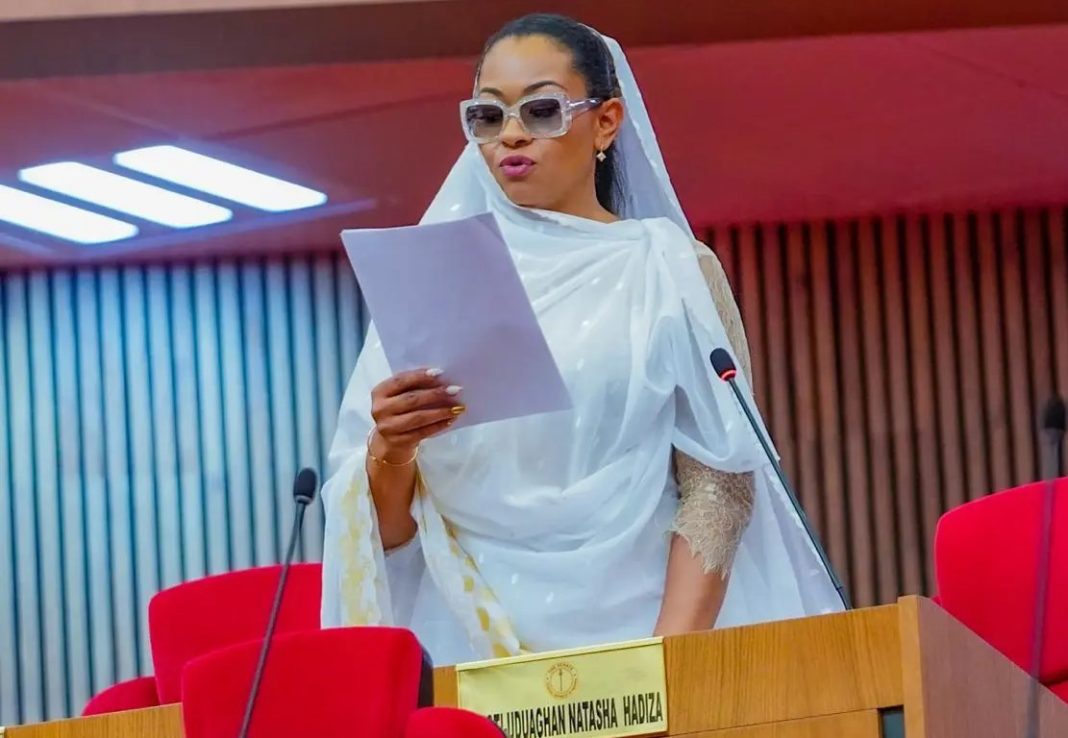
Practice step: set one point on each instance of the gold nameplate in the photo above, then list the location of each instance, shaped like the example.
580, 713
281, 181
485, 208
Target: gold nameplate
602, 692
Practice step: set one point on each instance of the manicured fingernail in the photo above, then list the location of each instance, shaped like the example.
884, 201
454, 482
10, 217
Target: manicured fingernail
459, 410
454, 389
434, 372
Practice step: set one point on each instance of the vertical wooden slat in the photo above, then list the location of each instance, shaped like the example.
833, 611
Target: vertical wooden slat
948, 381
1058, 269
11, 687
804, 387
899, 380
25, 508
1038, 323
97, 524
781, 395
992, 346
283, 402
47, 493
720, 241
258, 408
863, 581
305, 379
877, 415
734, 236
234, 428
144, 517
167, 465
829, 411
119, 503
187, 400
974, 459
323, 316
752, 308
212, 418
350, 320
1018, 370
78, 616
728, 242
923, 371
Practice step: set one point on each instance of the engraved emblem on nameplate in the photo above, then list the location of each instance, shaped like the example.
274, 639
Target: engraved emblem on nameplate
603, 692
561, 679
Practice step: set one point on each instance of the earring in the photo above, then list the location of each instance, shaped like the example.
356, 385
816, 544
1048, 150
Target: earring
601, 155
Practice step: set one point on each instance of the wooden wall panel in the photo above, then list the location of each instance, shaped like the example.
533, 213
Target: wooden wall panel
901, 363
151, 419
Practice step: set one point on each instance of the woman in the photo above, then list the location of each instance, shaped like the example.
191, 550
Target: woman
625, 517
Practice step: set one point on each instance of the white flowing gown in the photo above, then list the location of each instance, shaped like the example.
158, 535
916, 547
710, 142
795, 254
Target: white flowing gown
553, 531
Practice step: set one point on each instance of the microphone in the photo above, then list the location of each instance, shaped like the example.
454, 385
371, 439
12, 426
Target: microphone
304, 488
723, 365
1054, 421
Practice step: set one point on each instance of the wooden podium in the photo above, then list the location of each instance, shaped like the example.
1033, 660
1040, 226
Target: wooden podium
908, 669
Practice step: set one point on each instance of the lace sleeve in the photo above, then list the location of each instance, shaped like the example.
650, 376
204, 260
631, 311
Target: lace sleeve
715, 506
714, 511
726, 306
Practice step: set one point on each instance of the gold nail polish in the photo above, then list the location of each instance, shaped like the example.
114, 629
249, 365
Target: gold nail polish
459, 410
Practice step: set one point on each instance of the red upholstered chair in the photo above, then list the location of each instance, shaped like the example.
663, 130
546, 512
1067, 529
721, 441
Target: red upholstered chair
129, 695
197, 617
986, 562
334, 683
448, 722
1061, 690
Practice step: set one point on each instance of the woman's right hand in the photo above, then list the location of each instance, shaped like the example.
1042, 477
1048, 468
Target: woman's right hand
408, 408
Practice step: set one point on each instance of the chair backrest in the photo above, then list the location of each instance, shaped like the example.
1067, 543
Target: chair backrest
132, 694
194, 618
986, 563
333, 683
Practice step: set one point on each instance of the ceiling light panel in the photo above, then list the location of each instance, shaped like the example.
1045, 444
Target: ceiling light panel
219, 178
125, 195
60, 220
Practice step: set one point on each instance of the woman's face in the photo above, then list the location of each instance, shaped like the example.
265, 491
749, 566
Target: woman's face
545, 173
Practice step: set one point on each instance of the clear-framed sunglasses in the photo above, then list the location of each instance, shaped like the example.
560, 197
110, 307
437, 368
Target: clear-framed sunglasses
543, 115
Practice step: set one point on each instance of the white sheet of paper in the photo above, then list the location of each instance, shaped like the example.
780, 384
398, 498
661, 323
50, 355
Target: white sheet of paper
448, 295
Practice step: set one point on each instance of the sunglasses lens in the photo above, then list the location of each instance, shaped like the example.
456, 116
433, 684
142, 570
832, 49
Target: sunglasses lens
543, 117
484, 121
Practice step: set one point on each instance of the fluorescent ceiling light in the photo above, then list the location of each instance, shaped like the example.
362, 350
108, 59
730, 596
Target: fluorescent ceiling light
60, 220
219, 178
126, 195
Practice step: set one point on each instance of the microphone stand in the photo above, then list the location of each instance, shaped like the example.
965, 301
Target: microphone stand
1053, 427
723, 365
304, 487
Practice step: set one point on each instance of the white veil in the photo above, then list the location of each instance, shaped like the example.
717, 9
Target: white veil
777, 571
